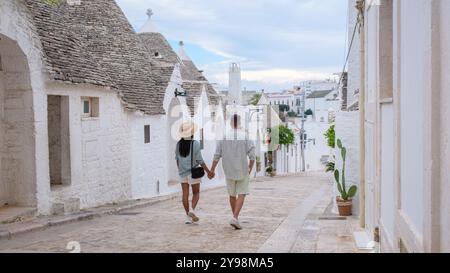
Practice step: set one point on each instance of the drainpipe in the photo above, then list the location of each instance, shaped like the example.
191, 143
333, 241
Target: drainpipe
360, 6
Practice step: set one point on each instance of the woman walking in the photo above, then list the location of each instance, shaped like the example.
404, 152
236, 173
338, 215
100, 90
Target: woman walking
189, 157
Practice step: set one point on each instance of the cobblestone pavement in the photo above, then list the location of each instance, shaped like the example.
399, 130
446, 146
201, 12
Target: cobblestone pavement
282, 214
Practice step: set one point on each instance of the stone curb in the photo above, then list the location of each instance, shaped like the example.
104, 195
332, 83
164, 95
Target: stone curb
43, 223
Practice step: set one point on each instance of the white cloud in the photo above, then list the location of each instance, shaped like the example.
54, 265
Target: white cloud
281, 76
283, 40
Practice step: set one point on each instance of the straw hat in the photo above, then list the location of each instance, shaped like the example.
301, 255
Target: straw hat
187, 129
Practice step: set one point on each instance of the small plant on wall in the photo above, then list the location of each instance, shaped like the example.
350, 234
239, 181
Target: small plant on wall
330, 135
344, 201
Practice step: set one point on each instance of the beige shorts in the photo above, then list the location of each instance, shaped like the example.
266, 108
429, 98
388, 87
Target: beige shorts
189, 180
238, 187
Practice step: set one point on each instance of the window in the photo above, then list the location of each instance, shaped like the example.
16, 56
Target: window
146, 134
90, 107
157, 55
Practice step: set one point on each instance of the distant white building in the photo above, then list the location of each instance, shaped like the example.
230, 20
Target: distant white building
323, 104
290, 98
317, 85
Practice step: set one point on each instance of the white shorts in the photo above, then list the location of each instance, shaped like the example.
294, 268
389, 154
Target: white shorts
189, 180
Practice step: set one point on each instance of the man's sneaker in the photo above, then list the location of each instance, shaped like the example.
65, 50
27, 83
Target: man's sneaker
193, 216
188, 220
235, 223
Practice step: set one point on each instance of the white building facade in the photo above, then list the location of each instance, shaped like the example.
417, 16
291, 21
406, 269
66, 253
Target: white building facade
86, 127
407, 124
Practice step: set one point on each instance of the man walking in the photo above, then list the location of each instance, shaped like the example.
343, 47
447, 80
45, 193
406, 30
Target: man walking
234, 151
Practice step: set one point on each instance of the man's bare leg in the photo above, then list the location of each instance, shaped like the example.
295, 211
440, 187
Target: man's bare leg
238, 205
232, 203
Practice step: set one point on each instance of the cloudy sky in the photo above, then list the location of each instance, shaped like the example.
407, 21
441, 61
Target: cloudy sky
277, 42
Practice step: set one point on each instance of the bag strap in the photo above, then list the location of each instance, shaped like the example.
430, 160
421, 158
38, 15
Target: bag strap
192, 153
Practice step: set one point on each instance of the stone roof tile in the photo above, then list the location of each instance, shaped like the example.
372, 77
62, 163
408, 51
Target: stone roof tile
94, 43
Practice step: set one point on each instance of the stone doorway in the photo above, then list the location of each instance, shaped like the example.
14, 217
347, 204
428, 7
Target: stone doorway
58, 140
17, 149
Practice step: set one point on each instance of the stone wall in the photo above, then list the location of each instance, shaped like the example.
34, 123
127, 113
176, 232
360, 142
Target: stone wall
16, 123
16, 24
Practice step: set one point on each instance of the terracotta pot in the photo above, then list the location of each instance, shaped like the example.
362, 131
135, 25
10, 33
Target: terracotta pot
345, 207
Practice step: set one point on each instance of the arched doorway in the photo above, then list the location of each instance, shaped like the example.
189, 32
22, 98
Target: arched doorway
17, 180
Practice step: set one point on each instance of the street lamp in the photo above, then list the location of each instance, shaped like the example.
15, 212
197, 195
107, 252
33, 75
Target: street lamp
179, 94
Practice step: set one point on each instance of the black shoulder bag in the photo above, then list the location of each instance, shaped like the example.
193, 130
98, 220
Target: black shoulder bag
197, 172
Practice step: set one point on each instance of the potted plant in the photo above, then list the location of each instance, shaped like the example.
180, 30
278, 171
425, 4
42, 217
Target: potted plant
344, 201
273, 173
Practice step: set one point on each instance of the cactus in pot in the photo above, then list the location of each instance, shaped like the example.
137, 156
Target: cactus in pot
344, 201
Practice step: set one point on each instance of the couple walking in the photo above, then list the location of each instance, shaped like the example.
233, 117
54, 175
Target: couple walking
238, 158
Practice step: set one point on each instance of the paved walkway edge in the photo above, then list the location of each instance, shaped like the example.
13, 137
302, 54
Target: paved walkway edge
284, 237
41, 223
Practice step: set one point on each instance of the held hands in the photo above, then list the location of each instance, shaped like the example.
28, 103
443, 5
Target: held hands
211, 174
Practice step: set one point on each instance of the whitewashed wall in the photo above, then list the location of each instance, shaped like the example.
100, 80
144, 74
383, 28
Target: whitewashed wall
317, 145
387, 187
413, 34
100, 149
347, 129
445, 123
353, 60
148, 167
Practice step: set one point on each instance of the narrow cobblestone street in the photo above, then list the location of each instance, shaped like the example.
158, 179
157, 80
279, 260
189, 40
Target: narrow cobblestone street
284, 214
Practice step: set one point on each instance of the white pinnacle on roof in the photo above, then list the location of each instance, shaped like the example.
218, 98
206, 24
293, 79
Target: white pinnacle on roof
263, 100
182, 53
149, 27
234, 84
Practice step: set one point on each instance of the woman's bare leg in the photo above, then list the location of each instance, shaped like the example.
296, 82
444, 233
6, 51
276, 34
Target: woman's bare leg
185, 188
195, 195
